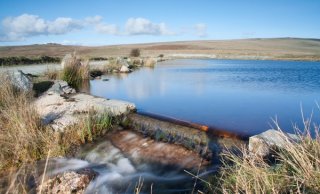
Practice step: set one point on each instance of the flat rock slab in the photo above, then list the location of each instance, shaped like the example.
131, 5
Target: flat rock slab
60, 112
140, 149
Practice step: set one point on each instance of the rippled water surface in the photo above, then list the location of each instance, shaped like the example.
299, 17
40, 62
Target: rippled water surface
235, 95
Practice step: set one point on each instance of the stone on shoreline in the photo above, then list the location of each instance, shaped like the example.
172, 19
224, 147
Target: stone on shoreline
68, 182
22, 81
265, 143
61, 87
124, 69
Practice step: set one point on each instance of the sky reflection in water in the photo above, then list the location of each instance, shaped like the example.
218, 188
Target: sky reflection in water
235, 95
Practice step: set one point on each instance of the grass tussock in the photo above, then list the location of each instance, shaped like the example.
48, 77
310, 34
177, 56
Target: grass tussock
22, 136
75, 71
296, 169
150, 62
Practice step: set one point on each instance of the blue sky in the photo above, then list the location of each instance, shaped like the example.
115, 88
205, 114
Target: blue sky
98, 22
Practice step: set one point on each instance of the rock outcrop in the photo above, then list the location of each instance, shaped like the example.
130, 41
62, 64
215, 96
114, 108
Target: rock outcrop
22, 81
60, 111
265, 143
61, 87
68, 182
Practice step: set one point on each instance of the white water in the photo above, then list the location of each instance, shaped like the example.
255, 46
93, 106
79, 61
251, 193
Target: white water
117, 174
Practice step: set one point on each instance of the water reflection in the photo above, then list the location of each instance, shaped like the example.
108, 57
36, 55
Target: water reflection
236, 95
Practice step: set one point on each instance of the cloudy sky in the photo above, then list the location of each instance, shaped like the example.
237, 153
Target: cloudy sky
106, 22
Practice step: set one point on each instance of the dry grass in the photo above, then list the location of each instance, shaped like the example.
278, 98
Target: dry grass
22, 137
52, 74
112, 64
150, 62
75, 71
296, 168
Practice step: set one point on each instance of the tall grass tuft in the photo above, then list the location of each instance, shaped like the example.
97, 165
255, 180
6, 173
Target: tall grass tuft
75, 71
22, 136
296, 168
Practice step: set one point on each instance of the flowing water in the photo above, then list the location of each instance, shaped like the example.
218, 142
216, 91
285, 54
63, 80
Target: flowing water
241, 96
117, 174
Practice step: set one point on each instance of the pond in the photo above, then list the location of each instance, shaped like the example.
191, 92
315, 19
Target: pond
241, 96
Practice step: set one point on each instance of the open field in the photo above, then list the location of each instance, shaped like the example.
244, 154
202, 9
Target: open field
275, 49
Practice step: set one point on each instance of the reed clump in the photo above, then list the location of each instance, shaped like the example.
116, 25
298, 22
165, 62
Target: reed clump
295, 169
74, 70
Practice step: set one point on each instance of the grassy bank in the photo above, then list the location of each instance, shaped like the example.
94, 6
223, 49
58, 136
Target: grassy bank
294, 169
27, 61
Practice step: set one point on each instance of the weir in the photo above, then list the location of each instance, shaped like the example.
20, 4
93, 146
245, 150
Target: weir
192, 136
211, 131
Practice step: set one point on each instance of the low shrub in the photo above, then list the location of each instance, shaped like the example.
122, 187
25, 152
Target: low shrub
135, 52
25, 61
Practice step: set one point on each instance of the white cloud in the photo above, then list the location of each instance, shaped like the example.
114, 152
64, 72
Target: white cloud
63, 26
94, 19
20, 27
142, 26
107, 29
201, 29
26, 25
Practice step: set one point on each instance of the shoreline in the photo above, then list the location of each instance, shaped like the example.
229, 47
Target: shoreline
183, 58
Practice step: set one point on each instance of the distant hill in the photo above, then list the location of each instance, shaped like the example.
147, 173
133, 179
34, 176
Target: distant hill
273, 48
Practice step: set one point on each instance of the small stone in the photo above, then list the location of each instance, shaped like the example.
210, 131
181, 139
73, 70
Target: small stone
124, 69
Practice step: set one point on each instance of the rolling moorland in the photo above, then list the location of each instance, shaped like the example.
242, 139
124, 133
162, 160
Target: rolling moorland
261, 49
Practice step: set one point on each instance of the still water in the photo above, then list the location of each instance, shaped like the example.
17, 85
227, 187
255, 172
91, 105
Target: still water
241, 96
